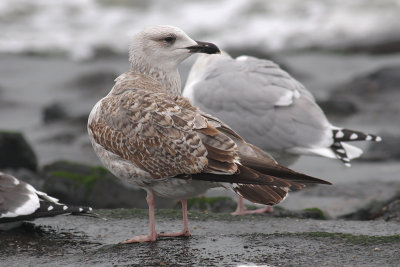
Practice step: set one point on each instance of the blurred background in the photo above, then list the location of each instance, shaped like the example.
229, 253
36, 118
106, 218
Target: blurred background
58, 58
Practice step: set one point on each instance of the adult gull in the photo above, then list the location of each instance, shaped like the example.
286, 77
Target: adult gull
148, 135
269, 108
20, 201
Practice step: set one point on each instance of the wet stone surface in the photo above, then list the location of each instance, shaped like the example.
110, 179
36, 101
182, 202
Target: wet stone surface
218, 239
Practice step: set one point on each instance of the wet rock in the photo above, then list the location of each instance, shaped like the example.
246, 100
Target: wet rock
105, 52
15, 152
217, 240
388, 210
338, 107
343, 198
388, 149
377, 91
378, 46
373, 85
227, 205
371, 211
392, 211
212, 204
310, 213
53, 112
80, 184
98, 82
61, 138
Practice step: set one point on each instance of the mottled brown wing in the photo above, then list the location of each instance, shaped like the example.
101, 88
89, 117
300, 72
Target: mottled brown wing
152, 132
162, 134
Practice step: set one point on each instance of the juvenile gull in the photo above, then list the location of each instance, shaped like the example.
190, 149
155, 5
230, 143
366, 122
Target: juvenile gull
148, 135
269, 108
20, 201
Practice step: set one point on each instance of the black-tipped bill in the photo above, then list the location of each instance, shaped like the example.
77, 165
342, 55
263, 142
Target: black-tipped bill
203, 47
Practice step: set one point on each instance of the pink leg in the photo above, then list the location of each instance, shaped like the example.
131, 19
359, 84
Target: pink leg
241, 209
185, 230
152, 236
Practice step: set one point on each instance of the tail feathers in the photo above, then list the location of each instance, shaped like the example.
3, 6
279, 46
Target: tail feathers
49, 209
345, 152
346, 135
352, 151
261, 194
284, 178
340, 153
245, 175
280, 171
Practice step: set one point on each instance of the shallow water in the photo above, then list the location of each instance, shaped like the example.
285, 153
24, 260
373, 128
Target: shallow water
78, 27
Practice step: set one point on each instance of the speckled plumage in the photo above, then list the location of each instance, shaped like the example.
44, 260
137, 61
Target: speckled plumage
151, 133
147, 134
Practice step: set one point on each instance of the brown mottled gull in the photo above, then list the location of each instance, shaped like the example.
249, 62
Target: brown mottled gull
269, 108
147, 134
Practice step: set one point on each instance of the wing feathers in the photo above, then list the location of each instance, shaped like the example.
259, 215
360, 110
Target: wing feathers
168, 137
261, 194
245, 175
279, 171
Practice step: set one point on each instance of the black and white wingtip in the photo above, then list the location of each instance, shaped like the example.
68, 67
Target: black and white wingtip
341, 153
346, 135
341, 136
20, 201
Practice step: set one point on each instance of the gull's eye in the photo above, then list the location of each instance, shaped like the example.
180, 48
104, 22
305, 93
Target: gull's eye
169, 39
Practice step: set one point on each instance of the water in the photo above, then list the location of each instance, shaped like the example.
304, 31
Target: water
78, 27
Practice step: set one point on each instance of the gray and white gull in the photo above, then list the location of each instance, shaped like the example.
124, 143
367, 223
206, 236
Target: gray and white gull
20, 201
148, 135
269, 108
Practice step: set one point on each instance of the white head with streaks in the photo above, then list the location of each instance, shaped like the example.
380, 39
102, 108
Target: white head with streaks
166, 46
158, 50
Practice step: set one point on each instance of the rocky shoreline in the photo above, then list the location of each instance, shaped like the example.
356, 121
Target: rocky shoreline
50, 150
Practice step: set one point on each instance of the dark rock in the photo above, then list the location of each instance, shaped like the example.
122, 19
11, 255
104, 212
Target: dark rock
5, 103
371, 211
372, 87
388, 149
338, 107
98, 82
379, 46
227, 205
63, 138
105, 52
310, 213
15, 152
80, 184
392, 211
96, 79
53, 112
212, 204
388, 210
376, 93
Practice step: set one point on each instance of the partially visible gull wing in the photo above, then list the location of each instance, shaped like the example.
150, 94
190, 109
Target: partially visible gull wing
20, 201
263, 102
268, 107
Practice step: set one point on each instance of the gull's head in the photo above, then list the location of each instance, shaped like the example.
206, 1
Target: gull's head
165, 47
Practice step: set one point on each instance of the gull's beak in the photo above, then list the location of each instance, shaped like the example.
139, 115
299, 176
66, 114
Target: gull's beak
203, 47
